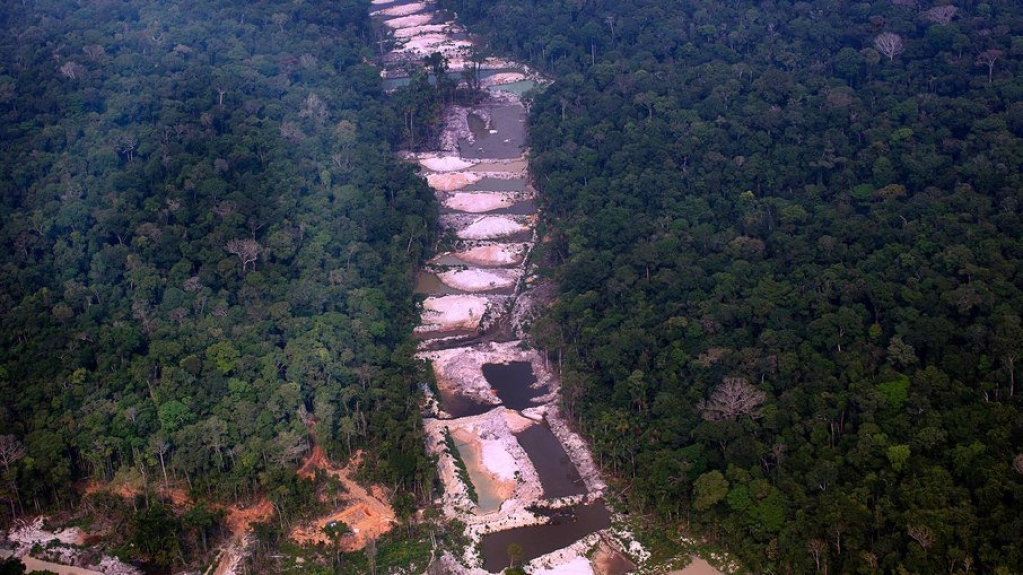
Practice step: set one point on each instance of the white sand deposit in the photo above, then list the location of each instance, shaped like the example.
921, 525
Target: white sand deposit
502, 78
403, 10
420, 41
494, 255
516, 422
409, 21
480, 202
26, 534
490, 227
453, 181
379, 2
577, 566
452, 312
429, 43
497, 459
417, 30
444, 163
479, 280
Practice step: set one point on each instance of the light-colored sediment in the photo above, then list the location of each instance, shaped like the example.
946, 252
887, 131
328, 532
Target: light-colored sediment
576, 566
502, 78
411, 31
474, 280
402, 10
697, 567
452, 312
409, 21
449, 182
59, 550
494, 254
480, 202
500, 454
463, 366
437, 163
428, 43
491, 227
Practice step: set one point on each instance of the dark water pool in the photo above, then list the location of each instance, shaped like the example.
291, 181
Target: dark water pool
567, 527
558, 474
509, 123
497, 185
459, 405
428, 283
512, 383
523, 208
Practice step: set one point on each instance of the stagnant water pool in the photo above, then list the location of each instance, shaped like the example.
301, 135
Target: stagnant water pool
558, 475
567, 527
513, 383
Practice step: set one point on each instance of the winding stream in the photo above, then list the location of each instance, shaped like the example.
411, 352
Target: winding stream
534, 484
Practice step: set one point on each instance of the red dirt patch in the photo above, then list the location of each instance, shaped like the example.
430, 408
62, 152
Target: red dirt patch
367, 514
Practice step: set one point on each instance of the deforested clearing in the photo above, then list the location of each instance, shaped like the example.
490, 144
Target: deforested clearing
408, 21
489, 227
444, 163
452, 312
403, 10
431, 42
418, 30
494, 255
451, 182
479, 280
577, 566
479, 202
503, 78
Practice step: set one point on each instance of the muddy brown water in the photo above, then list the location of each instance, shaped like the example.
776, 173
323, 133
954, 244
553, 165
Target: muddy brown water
453, 260
566, 528
523, 208
513, 383
497, 185
520, 208
558, 475
458, 405
429, 283
509, 125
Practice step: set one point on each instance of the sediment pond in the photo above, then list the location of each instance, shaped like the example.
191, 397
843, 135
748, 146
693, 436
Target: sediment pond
513, 383
565, 529
558, 474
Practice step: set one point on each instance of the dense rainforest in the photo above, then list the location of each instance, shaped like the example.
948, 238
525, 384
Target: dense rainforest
208, 250
790, 255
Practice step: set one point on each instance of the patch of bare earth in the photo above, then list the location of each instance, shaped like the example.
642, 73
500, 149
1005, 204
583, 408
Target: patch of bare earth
366, 512
697, 567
